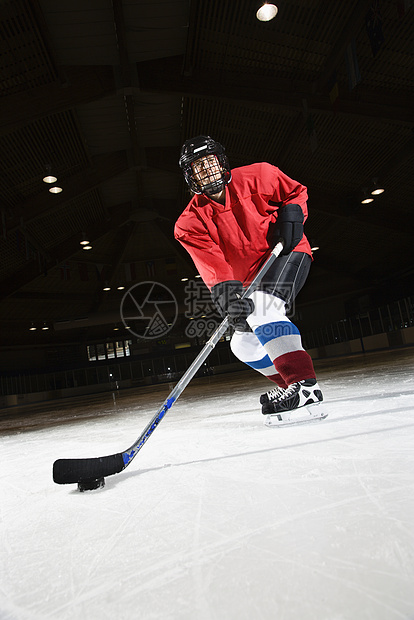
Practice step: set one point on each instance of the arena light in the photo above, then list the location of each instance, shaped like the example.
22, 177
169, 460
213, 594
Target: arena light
366, 198
84, 239
376, 189
267, 12
49, 177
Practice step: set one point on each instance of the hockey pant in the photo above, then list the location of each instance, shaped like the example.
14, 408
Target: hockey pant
274, 346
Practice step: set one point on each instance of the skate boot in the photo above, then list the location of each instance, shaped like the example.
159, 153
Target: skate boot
273, 394
299, 402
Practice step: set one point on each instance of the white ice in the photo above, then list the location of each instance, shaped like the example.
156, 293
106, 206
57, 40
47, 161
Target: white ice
218, 517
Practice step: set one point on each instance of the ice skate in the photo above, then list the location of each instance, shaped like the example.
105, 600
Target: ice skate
273, 394
299, 402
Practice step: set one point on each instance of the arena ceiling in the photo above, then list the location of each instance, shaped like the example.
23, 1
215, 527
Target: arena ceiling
105, 92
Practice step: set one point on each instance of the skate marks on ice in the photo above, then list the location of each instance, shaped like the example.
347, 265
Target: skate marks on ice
219, 517
241, 538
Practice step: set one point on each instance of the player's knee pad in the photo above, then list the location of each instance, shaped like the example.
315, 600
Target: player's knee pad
267, 309
246, 346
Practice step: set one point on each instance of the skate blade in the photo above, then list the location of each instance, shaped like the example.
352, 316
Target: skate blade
302, 415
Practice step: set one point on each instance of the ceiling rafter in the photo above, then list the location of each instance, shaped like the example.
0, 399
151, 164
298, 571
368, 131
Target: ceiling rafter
129, 79
82, 85
350, 30
31, 270
165, 75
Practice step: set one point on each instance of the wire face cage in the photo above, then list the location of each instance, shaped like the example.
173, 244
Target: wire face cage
205, 165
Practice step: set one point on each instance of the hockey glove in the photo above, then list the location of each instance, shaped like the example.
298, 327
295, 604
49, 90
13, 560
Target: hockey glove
227, 297
289, 226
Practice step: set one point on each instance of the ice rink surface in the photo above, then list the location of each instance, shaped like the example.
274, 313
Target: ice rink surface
218, 517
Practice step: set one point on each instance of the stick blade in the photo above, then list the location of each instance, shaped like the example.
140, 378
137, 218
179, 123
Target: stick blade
67, 471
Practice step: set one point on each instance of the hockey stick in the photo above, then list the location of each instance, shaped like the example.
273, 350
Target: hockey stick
66, 471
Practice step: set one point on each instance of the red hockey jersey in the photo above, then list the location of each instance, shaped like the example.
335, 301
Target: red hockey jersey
231, 241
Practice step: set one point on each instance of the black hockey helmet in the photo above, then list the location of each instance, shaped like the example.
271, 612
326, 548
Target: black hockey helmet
197, 148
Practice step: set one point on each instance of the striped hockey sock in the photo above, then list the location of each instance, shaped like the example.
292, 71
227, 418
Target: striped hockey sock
280, 338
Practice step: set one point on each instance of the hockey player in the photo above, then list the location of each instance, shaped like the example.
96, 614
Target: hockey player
229, 228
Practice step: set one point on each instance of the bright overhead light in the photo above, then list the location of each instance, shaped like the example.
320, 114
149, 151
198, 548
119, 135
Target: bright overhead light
316, 247
376, 189
49, 178
267, 12
366, 198
106, 288
86, 247
84, 239
55, 190
120, 288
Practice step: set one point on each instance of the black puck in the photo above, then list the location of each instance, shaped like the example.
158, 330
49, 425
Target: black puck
91, 484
